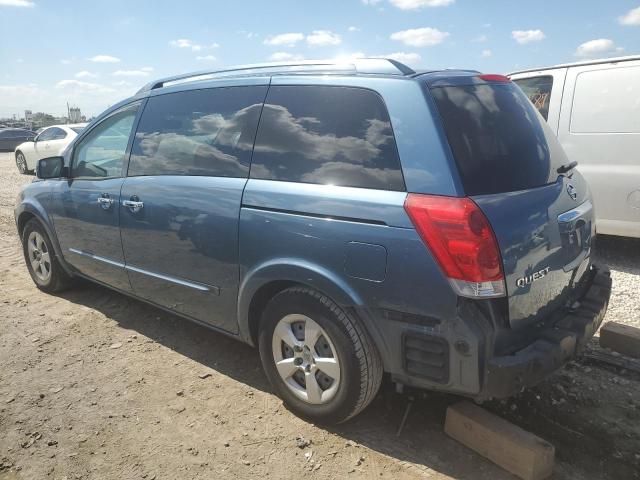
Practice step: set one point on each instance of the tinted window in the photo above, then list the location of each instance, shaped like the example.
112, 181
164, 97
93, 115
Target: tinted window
77, 129
538, 90
199, 132
101, 153
498, 139
47, 134
14, 134
58, 133
607, 101
327, 135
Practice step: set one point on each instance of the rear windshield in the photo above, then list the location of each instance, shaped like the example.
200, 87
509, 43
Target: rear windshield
499, 141
77, 129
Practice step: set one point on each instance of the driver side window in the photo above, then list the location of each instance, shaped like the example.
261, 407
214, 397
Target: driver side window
102, 152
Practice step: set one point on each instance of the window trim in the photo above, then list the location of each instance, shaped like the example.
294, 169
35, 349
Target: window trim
347, 86
125, 163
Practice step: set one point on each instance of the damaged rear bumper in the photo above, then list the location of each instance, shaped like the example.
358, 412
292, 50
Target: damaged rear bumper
507, 375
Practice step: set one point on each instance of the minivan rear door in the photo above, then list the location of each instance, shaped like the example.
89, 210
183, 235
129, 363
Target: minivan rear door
508, 161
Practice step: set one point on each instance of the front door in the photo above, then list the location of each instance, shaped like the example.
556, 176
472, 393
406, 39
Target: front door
42, 147
180, 203
86, 211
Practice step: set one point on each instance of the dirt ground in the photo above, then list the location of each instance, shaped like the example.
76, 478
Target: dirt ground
95, 385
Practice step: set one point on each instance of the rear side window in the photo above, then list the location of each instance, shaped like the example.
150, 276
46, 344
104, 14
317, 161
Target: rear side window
327, 135
538, 90
499, 142
13, 134
46, 135
198, 132
58, 134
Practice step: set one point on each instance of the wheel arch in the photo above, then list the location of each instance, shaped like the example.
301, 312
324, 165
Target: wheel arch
263, 282
28, 211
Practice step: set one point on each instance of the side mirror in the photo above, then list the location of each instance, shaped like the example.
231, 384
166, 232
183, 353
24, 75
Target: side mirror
52, 167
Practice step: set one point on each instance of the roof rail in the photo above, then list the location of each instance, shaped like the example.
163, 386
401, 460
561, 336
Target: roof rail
598, 61
380, 66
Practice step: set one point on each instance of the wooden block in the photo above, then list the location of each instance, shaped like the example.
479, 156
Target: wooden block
512, 448
621, 338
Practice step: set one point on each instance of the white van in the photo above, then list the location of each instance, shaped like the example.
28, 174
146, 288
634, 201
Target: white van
594, 108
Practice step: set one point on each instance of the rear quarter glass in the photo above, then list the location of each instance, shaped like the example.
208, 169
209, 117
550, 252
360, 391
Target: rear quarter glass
499, 142
329, 135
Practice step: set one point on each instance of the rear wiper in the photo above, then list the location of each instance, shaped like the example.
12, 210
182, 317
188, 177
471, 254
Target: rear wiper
562, 169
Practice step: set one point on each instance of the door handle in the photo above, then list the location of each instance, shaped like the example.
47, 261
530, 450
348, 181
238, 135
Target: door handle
133, 205
105, 201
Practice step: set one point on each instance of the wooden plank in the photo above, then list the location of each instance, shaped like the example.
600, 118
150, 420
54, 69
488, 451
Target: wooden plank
512, 448
621, 338
604, 356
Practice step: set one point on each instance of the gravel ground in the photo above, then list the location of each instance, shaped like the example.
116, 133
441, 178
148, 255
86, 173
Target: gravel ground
95, 385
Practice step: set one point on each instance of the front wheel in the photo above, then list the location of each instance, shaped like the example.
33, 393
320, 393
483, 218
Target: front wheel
319, 359
42, 263
21, 163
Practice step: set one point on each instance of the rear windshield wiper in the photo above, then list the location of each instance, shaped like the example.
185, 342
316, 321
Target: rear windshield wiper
562, 169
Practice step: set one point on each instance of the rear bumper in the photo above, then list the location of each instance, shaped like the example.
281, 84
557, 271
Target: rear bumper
507, 375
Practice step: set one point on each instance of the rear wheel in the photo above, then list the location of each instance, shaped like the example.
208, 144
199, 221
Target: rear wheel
319, 359
21, 163
42, 263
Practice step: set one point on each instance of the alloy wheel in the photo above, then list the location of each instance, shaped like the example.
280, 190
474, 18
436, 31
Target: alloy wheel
21, 162
306, 359
39, 256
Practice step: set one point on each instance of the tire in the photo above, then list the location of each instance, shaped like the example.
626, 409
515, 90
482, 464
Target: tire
21, 163
341, 339
42, 262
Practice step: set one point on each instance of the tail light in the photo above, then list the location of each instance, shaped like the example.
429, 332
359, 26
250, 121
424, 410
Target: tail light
462, 241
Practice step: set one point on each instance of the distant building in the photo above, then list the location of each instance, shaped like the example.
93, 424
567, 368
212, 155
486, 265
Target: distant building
28, 119
74, 115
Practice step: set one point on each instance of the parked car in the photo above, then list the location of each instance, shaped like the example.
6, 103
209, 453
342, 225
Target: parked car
594, 109
12, 137
347, 220
50, 142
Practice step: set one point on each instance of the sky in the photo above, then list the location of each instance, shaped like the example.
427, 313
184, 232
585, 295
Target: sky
95, 53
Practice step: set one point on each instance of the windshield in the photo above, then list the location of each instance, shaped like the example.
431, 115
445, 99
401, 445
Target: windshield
498, 139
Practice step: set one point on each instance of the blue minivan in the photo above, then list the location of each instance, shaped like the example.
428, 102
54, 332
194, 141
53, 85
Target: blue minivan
353, 221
